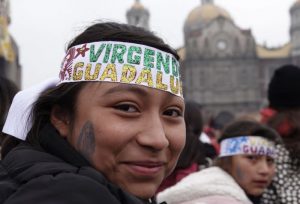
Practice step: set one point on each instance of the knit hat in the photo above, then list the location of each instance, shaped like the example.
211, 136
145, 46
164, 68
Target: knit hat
284, 88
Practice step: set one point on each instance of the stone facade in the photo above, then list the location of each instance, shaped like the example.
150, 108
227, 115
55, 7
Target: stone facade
223, 68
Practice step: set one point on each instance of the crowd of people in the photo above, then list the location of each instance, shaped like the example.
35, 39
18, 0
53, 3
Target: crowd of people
114, 128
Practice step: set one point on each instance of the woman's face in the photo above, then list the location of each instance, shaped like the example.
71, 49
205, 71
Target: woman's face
130, 133
253, 173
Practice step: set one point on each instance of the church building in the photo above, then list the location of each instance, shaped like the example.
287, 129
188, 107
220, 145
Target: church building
223, 68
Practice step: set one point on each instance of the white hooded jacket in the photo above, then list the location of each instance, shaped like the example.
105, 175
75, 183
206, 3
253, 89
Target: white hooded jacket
208, 186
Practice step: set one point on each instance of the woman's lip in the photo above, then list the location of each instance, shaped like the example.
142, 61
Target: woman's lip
145, 167
261, 182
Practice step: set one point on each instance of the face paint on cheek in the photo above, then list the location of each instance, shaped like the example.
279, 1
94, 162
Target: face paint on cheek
239, 174
86, 141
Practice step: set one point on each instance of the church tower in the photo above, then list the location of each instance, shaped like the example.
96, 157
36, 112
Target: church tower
9, 59
207, 2
138, 15
295, 29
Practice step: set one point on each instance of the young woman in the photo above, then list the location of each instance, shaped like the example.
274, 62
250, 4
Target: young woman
243, 170
110, 131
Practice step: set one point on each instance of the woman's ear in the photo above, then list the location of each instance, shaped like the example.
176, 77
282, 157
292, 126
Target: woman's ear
60, 120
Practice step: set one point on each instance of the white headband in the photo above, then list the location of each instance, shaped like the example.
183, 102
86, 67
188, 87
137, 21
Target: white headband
252, 145
100, 61
122, 62
18, 121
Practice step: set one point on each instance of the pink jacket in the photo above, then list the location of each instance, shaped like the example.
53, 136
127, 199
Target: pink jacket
214, 200
209, 186
176, 176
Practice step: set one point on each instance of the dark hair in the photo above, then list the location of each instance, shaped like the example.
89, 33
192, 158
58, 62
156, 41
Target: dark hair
65, 95
111, 31
8, 89
193, 151
221, 120
291, 137
245, 128
7, 92
193, 117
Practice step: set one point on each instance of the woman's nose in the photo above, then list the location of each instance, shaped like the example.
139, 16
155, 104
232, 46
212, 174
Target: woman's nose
264, 167
153, 134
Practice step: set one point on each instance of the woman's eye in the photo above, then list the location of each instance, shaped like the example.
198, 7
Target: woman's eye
126, 108
173, 113
252, 158
270, 160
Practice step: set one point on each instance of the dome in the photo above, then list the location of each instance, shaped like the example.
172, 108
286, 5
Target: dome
137, 6
203, 14
297, 2
295, 6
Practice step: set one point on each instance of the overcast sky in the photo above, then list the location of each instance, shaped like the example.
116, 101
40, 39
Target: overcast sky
42, 28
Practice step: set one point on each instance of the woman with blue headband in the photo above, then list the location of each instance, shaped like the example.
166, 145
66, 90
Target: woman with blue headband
243, 170
109, 131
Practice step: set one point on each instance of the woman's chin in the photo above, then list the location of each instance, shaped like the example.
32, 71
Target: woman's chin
143, 191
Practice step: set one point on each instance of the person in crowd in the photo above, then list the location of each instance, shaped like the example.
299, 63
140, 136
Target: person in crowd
194, 122
220, 121
283, 115
216, 125
195, 154
110, 131
7, 91
242, 171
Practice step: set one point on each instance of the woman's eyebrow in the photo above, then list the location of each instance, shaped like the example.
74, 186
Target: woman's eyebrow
126, 88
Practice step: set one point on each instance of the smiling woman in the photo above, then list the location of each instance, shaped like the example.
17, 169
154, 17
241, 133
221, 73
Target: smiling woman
104, 140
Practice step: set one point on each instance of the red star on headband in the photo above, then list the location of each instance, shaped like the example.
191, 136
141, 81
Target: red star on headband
81, 51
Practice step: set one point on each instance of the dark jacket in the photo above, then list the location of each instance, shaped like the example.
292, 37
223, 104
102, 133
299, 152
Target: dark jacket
35, 175
285, 187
